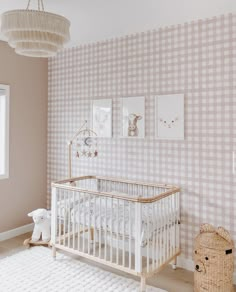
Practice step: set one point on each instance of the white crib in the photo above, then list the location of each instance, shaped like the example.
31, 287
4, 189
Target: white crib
128, 225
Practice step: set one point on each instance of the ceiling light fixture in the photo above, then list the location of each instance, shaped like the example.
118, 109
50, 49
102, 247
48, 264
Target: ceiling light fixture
35, 33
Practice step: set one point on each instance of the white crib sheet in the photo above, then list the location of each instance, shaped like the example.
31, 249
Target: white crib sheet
107, 218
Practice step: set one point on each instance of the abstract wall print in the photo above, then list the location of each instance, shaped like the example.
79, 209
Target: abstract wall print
133, 114
170, 116
102, 117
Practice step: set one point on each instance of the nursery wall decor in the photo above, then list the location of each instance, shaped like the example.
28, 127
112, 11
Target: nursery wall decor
102, 117
86, 145
170, 116
133, 116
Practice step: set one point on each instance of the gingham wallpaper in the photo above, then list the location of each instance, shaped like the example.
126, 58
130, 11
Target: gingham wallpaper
197, 59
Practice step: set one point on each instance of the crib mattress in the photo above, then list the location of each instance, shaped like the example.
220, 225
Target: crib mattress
120, 219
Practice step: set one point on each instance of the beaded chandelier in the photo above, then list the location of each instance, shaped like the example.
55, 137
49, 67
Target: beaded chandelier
35, 33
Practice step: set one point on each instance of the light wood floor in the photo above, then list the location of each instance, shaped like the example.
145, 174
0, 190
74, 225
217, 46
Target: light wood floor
179, 280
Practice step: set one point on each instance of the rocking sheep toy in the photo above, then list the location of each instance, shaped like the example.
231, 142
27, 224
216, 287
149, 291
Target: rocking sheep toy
42, 222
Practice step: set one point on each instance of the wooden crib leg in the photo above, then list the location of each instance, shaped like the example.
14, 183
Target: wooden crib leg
174, 265
143, 284
54, 251
92, 233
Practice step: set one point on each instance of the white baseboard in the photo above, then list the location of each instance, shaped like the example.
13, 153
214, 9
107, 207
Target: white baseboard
188, 264
17, 231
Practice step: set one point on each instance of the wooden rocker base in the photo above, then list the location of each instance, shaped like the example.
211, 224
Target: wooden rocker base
28, 243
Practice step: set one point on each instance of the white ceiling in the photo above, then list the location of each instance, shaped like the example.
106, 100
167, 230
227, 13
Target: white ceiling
95, 20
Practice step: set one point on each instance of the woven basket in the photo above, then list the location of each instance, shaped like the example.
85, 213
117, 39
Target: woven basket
213, 259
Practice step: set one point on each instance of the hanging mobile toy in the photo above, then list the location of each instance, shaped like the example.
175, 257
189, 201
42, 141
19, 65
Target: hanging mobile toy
86, 144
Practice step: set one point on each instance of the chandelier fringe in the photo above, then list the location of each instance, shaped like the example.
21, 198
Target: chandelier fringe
35, 33
35, 49
34, 36
34, 20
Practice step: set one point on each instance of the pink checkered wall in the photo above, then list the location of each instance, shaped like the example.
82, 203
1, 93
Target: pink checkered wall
197, 59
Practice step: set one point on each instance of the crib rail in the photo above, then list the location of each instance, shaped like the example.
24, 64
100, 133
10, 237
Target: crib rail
119, 189
131, 226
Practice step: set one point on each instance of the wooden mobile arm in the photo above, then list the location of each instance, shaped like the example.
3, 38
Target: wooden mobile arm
70, 142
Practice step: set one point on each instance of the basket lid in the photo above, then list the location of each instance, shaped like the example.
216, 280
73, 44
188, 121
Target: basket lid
213, 241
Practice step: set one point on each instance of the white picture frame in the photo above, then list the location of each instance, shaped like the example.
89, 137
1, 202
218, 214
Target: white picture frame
169, 120
133, 117
102, 117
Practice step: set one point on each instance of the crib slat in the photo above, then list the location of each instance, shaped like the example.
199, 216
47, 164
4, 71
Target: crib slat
77, 215
97, 183
69, 223
153, 233
167, 210
165, 228
105, 228
172, 225
157, 235
148, 237
139, 191
100, 227
117, 233
130, 235
105, 185
174, 222
89, 223
60, 216
169, 228
178, 219
95, 227
73, 220
84, 220
65, 215
161, 235
111, 245
164, 231
123, 233
138, 230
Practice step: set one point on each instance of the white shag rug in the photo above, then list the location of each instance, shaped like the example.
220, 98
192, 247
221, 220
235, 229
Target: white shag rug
35, 270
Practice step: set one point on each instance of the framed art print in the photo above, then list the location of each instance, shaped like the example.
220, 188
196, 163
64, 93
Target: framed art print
170, 116
133, 115
102, 117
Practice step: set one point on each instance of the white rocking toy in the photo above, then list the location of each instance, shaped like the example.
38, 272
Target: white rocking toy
41, 232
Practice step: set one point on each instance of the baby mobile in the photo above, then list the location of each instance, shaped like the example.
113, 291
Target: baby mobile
86, 144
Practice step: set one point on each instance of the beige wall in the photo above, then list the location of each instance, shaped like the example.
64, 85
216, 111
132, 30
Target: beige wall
25, 189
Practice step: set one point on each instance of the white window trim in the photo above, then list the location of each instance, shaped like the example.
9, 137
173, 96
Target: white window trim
7, 89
